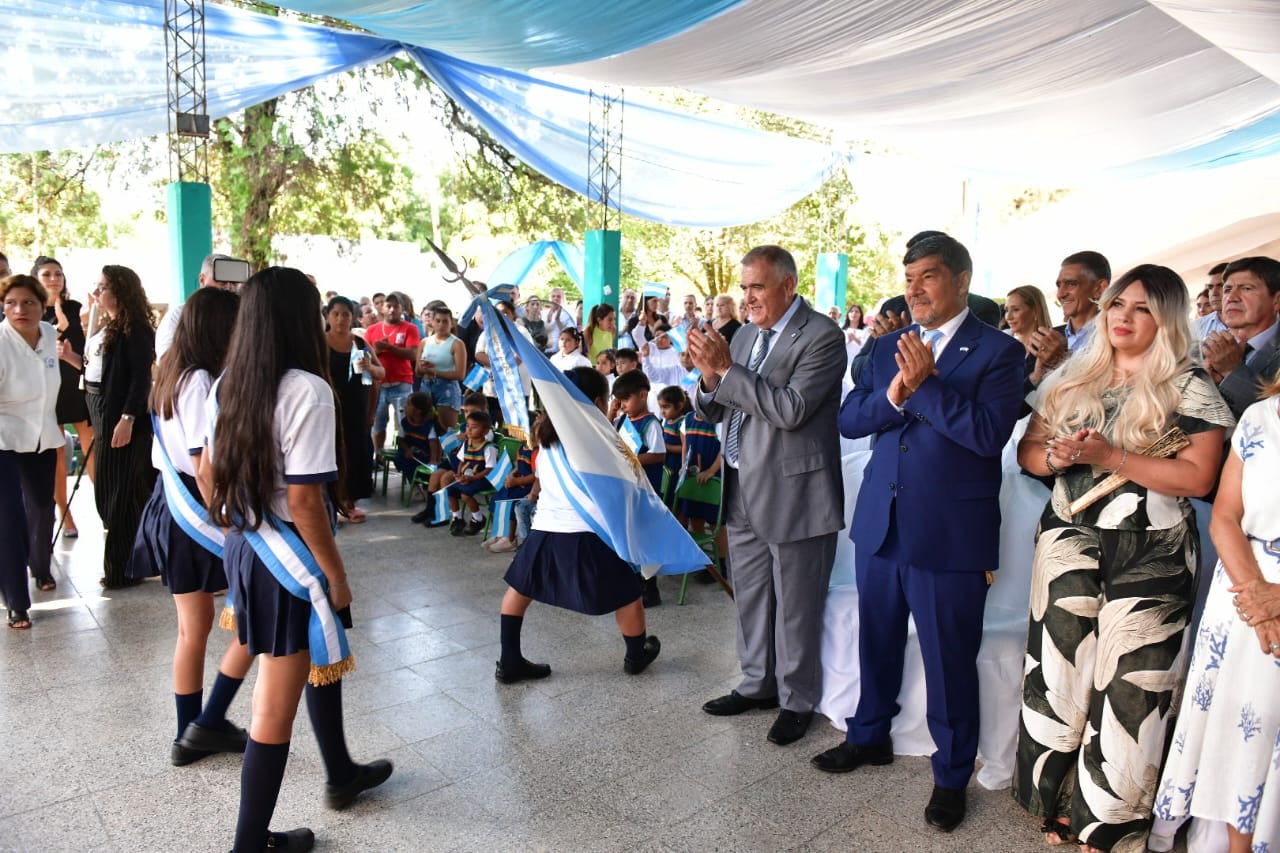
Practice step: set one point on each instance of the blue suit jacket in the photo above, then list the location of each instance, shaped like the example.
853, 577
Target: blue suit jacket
935, 470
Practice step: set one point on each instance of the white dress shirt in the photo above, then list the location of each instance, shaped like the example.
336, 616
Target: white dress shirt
29, 382
948, 330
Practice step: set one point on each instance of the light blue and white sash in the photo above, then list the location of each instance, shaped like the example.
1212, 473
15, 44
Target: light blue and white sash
188, 512
295, 568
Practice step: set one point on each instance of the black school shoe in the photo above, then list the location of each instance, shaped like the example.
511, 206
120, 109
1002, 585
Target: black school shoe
298, 840
422, 516
371, 775
457, 526
635, 666
473, 527
523, 671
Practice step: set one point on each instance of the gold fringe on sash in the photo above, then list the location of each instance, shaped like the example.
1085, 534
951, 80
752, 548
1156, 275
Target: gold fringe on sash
331, 673
227, 619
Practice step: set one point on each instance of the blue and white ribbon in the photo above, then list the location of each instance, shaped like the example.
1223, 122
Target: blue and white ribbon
505, 364
188, 512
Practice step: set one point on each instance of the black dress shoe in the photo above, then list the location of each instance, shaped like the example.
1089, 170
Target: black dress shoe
635, 666
735, 703
848, 756
367, 776
298, 840
422, 516
523, 671
230, 738
790, 726
652, 596
945, 809
181, 756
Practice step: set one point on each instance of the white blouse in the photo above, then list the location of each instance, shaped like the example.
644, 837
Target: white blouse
29, 382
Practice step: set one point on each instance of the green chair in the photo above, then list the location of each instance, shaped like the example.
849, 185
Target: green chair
709, 492
421, 479
386, 459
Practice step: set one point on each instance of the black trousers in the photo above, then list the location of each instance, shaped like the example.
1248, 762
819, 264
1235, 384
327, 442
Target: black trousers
123, 480
26, 492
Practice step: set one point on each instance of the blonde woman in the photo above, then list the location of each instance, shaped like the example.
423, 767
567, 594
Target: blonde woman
1112, 586
726, 321
1026, 310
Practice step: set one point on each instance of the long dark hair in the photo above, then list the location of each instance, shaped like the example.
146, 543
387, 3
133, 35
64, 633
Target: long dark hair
278, 330
599, 313
594, 387
133, 311
200, 343
44, 261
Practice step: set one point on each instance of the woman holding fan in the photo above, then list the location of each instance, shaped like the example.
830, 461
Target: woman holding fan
1114, 576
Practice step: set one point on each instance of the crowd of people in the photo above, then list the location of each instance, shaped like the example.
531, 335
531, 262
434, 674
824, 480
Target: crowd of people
1136, 403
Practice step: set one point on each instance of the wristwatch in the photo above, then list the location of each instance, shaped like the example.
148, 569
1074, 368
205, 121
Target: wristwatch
128, 418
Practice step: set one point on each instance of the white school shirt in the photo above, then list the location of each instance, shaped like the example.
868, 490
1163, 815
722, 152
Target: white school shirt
184, 435
555, 513
305, 427
93, 357
563, 362
29, 382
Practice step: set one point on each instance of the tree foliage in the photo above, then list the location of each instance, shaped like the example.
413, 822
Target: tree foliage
48, 204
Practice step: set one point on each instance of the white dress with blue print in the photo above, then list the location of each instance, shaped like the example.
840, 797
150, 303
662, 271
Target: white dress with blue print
1224, 764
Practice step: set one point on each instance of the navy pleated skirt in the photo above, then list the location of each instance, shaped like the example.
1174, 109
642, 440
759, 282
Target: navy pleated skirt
163, 548
576, 571
268, 619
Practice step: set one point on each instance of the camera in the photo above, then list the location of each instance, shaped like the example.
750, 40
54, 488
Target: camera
230, 270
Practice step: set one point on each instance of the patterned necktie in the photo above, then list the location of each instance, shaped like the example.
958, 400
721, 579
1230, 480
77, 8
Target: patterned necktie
735, 420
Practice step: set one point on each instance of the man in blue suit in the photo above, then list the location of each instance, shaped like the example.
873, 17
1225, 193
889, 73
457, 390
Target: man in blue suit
942, 397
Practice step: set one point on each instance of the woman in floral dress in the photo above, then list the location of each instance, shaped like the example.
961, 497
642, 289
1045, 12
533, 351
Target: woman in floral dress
1224, 765
1113, 584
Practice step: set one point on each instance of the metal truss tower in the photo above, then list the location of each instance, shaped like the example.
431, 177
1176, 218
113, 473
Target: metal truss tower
188, 105
604, 156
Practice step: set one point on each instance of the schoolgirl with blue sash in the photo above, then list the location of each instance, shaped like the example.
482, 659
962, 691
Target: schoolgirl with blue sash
566, 564
274, 455
176, 540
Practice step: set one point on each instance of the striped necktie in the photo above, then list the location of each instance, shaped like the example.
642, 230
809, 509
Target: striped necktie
758, 353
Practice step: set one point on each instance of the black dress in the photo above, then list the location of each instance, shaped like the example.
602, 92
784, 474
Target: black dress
71, 407
729, 329
353, 414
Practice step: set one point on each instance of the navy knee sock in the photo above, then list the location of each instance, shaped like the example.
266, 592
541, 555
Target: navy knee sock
510, 636
260, 778
635, 646
188, 708
214, 715
324, 706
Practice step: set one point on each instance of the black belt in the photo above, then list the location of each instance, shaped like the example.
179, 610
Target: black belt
93, 387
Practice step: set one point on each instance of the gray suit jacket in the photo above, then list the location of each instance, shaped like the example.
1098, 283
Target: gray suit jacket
1242, 387
789, 445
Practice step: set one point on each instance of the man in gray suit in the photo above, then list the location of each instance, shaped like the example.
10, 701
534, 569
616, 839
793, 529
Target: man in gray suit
1247, 355
777, 391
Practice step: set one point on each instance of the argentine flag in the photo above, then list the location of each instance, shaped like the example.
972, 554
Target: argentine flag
450, 441
440, 506
596, 470
500, 527
679, 337
500, 471
630, 435
476, 377
690, 381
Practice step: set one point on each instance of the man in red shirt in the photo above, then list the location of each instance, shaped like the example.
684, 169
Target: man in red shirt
395, 340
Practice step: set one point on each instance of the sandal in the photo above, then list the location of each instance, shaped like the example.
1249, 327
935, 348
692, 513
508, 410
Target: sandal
47, 585
1056, 833
357, 516
19, 620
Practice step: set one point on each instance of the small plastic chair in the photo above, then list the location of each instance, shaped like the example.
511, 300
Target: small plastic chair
710, 492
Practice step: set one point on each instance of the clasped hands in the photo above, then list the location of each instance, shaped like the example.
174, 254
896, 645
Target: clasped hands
915, 365
1084, 447
1257, 603
1222, 353
709, 352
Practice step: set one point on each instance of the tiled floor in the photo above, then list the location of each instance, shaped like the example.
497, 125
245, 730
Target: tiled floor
590, 759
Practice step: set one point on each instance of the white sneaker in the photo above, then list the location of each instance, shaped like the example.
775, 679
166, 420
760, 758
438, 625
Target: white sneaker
501, 546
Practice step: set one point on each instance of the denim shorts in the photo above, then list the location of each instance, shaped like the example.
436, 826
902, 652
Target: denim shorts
445, 392
392, 394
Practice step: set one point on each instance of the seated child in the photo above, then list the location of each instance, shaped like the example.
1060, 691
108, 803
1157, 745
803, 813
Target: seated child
476, 458
518, 485
703, 460
417, 431
673, 404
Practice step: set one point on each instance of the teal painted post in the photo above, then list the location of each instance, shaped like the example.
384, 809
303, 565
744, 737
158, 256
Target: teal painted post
190, 216
831, 285
603, 272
